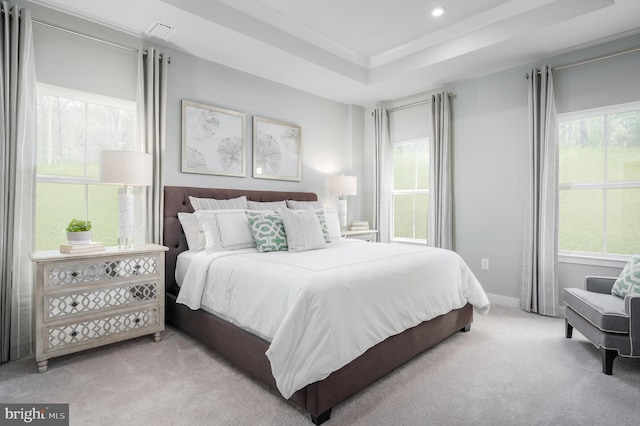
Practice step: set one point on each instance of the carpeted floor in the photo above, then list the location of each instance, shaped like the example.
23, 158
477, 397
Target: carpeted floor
513, 368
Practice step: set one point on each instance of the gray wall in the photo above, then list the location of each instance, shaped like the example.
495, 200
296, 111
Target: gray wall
327, 128
331, 131
490, 146
489, 166
490, 159
490, 131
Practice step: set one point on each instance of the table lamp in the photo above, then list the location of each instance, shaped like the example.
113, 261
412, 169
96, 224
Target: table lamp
343, 186
129, 169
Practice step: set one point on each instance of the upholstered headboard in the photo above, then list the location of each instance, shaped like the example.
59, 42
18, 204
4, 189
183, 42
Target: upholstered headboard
176, 200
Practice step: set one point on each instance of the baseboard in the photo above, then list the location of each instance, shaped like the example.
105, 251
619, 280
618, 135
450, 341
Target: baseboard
514, 302
511, 302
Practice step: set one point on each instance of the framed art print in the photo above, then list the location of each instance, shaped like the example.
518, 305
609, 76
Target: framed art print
213, 140
276, 150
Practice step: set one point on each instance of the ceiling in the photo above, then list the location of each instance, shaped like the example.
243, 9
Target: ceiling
365, 51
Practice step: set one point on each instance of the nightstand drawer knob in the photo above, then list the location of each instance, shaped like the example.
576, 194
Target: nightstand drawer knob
74, 333
137, 320
74, 274
74, 304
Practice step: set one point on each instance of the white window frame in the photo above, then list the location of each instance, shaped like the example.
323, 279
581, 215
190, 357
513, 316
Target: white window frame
597, 258
87, 97
93, 98
394, 192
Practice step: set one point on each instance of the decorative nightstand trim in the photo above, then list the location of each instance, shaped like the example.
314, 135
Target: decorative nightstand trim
80, 272
369, 235
76, 333
93, 300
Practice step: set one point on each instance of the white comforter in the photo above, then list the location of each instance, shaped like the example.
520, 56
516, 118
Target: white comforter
322, 309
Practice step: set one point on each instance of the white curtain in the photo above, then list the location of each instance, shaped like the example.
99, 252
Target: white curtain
17, 181
381, 177
540, 266
440, 230
153, 69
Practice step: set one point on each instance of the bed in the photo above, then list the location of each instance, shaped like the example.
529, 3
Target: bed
248, 351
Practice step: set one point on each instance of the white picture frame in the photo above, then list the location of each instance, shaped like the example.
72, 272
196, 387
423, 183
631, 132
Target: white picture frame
277, 150
213, 140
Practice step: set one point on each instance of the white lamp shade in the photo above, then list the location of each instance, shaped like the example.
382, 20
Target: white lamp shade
343, 185
127, 168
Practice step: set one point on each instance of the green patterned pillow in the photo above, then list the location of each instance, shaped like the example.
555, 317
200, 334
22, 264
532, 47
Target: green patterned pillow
629, 280
268, 231
323, 225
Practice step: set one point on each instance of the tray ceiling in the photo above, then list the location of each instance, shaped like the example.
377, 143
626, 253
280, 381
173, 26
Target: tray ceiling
365, 51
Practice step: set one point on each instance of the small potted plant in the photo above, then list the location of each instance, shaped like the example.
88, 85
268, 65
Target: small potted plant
79, 232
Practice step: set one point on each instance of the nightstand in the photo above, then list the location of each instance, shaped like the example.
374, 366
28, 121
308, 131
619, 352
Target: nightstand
87, 300
369, 235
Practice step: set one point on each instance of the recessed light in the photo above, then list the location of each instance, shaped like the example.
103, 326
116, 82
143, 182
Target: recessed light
437, 11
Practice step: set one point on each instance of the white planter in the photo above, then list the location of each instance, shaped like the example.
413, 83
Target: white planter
78, 238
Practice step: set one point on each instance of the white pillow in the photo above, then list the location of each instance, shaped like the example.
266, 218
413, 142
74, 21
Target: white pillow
213, 204
266, 205
192, 231
226, 229
304, 205
303, 230
333, 224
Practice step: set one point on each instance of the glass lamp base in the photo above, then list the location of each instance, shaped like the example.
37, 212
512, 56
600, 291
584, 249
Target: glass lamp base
126, 230
125, 243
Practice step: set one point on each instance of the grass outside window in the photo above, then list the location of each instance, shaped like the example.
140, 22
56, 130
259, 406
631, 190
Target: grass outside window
599, 177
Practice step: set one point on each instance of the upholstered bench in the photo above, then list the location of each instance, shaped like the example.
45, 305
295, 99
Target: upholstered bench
609, 321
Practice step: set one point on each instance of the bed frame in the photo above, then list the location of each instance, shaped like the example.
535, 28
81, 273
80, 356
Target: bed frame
247, 351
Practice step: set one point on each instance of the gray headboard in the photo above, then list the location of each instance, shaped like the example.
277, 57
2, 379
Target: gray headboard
176, 200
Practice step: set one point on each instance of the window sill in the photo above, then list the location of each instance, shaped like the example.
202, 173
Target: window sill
409, 241
594, 259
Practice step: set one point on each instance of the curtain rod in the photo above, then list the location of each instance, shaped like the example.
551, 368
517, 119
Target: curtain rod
94, 38
426, 101
596, 59
90, 37
408, 105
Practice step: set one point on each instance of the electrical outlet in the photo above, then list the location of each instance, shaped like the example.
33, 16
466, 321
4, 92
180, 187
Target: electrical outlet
484, 263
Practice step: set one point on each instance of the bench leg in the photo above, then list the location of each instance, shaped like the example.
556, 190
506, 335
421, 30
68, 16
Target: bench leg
568, 329
608, 355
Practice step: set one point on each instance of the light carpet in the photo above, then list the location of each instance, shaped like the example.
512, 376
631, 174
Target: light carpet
512, 368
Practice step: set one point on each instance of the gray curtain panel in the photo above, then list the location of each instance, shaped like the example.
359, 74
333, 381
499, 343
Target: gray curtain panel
17, 181
540, 265
381, 178
153, 66
440, 230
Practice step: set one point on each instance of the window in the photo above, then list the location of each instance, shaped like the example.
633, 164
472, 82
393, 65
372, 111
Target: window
72, 128
599, 182
409, 173
410, 190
